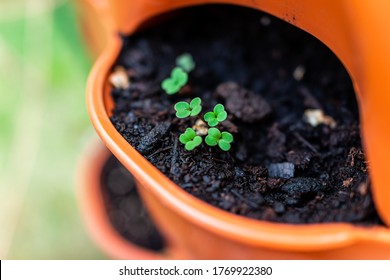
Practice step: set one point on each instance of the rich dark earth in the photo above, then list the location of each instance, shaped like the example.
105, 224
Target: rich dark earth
125, 208
267, 73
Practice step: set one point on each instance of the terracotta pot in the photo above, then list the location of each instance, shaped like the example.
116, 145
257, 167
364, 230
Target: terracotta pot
359, 36
95, 22
93, 208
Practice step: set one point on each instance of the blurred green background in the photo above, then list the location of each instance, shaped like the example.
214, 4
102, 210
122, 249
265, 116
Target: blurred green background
43, 129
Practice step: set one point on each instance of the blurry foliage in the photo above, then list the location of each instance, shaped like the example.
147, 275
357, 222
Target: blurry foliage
43, 129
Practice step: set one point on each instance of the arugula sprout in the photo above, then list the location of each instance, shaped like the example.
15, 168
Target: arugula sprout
190, 139
183, 109
193, 138
222, 139
186, 62
218, 115
175, 82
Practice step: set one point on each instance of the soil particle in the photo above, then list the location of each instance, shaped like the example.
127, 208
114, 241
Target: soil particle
283, 170
316, 117
300, 189
300, 159
363, 188
243, 103
119, 78
279, 208
152, 139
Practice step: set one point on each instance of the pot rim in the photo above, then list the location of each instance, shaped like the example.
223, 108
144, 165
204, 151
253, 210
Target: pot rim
241, 229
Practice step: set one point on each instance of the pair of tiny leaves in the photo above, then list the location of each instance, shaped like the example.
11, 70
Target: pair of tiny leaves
175, 82
222, 139
179, 74
218, 115
213, 138
190, 139
183, 109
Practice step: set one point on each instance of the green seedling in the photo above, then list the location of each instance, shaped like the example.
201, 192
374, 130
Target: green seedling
190, 139
222, 139
183, 109
186, 62
175, 82
218, 115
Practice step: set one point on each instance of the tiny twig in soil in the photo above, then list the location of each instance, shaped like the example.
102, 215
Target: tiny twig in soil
220, 160
161, 150
305, 142
173, 159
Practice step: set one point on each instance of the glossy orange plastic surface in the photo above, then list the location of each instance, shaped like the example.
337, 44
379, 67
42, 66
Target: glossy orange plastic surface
357, 33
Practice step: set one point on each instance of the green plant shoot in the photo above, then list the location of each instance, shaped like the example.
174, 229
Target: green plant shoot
218, 115
215, 137
190, 139
172, 85
183, 109
175, 82
186, 62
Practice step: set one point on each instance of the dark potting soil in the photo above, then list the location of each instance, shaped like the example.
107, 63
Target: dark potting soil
125, 208
267, 73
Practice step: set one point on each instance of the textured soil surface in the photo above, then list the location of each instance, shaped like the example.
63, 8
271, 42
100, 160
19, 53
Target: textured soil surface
282, 167
125, 208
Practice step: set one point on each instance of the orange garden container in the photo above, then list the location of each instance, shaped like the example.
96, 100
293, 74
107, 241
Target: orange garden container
357, 32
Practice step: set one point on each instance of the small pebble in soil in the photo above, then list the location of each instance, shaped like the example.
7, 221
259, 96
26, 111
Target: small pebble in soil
200, 128
284, 170
299, 72
291, 201
363, 188
239, 172
119, 78
299, 189
316, 117
279, 208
